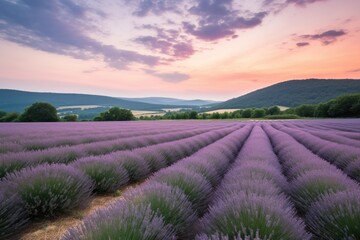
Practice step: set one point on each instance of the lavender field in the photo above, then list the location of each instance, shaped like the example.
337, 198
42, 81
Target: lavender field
217, 180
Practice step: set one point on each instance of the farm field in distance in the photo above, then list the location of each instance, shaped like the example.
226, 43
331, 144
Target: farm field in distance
217, 180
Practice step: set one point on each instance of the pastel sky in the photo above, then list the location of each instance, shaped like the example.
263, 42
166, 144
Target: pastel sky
209, 49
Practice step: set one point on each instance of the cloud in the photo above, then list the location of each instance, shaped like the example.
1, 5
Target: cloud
60, 27
327, 37
355, 70
303, 2
157, 7
168, 42
302, 44
219, 19
172, 77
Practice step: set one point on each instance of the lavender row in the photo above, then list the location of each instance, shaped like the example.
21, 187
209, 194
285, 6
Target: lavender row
18, 131
48, 190
170, 203
107, 171
40, 142
45, 139
331, 136
15, 161
325, 196
250, 202
344, 157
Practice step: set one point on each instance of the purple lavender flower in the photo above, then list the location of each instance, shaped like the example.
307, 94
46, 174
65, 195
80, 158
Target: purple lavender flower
107, 174
168, 202
46, 190
122, 220
336, 216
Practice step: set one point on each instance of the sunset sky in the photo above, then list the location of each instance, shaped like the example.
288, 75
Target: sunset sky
209, 49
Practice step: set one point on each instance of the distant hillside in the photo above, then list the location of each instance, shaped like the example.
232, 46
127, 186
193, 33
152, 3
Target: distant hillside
16, 101
172, 101
293, 93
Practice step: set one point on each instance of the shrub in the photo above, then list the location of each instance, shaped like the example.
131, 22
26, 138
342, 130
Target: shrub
13, 216
170, 203
49, 189
11, 165
107, 175
153, 158
244, 215
336, 216
310, 186
206, 169
136, 167
194, 185
122, 220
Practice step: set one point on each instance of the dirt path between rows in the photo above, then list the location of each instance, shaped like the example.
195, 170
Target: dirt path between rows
53, 229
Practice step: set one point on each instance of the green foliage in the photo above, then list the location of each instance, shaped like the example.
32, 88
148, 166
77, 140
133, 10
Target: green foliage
345, 106
40, 112
305, 110
193, 114
246, 113
10, 117
115, 114
258, 113
70, 118
275, 110
2, 114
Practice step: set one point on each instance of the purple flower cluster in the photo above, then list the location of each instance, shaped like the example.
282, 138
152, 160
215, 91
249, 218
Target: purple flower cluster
250, 202
175, 194
316, 187
343, 155
10, 162
47, 190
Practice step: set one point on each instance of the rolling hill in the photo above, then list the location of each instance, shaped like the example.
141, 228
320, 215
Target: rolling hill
293, 93
172, 101
16, 101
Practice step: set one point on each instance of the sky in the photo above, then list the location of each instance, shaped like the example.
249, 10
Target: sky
208, 49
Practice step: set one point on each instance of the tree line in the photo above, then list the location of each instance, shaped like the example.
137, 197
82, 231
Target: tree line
340, 107
45, 112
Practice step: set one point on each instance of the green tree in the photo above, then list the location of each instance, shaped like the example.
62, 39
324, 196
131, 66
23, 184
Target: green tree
40, 112
2, 114
193, 114
10, 117
275, 110
305, 110
247, 113
115, 114
258, 113
344, 106
70, 118
322, 109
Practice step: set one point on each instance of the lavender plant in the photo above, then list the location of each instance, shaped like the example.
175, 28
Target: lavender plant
122, 220
170, 203
336, 216
13, 216
194, 185
107, 175
47, 190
